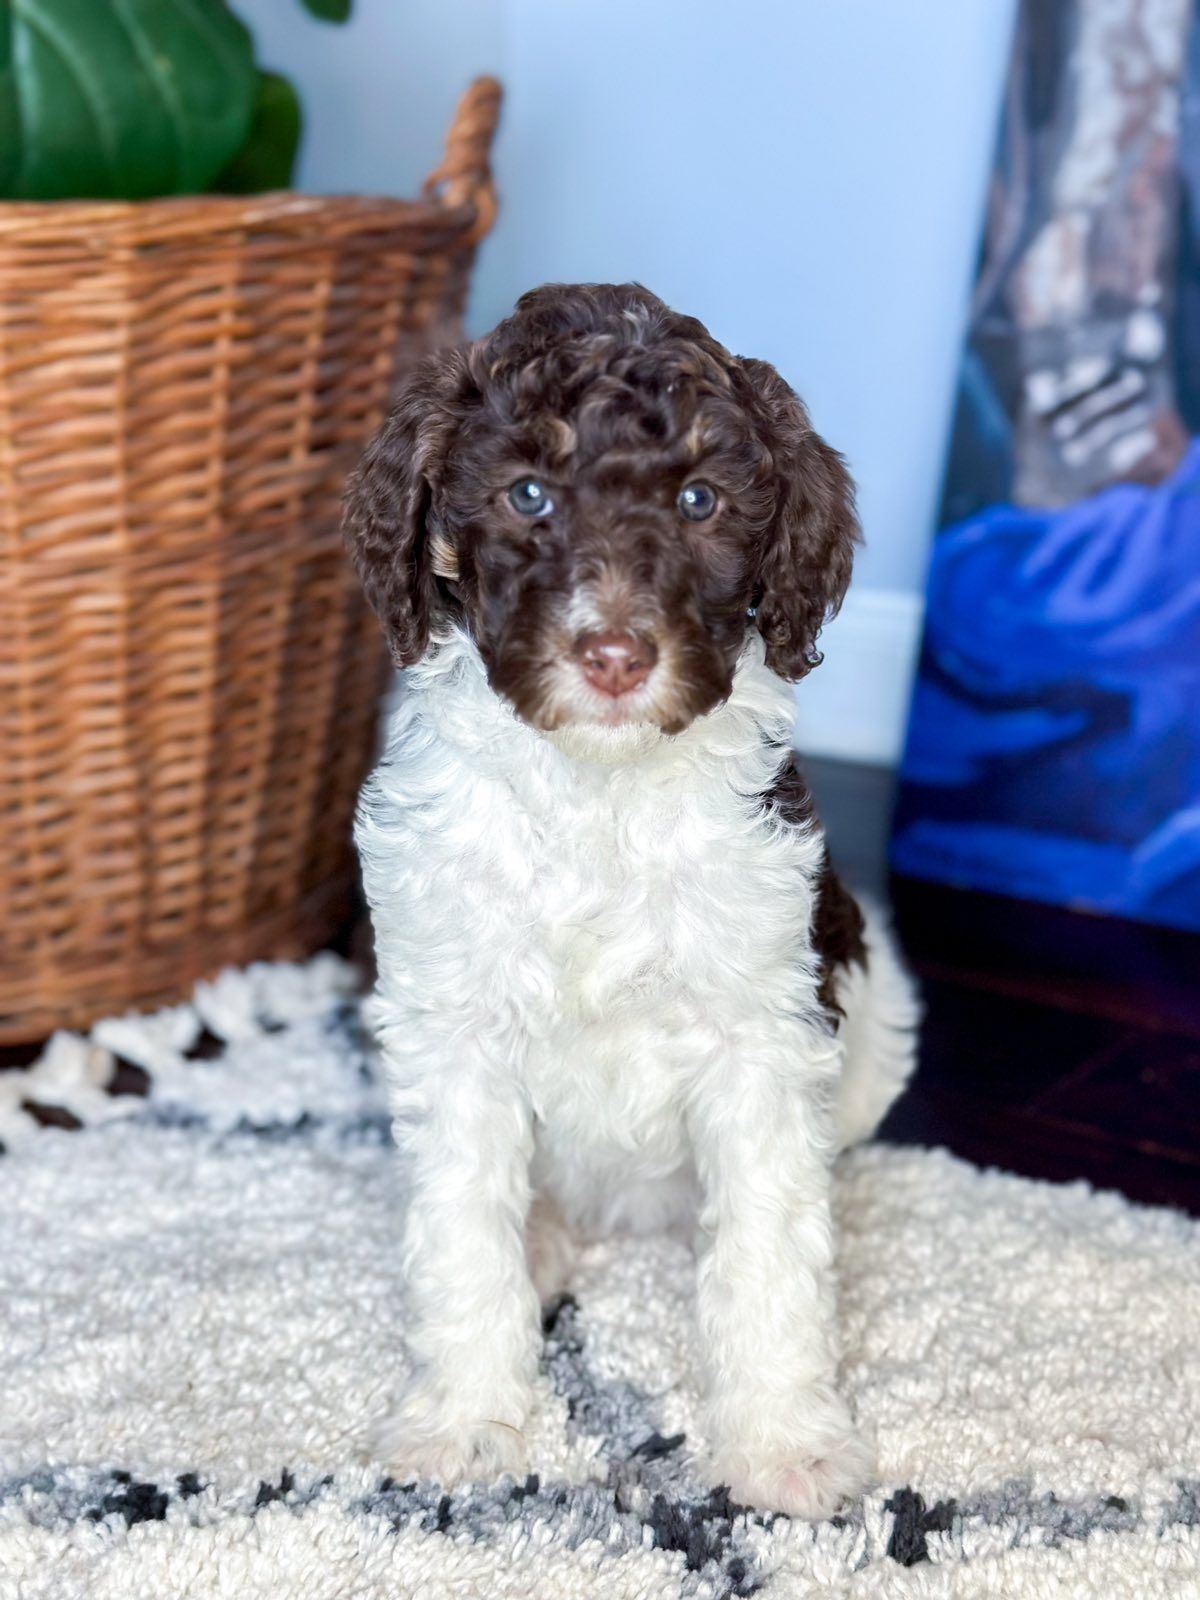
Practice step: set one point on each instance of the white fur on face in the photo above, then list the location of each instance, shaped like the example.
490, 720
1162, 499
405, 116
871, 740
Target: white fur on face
568, 700
597, 985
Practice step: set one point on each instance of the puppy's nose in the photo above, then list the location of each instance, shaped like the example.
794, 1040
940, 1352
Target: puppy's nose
614, 663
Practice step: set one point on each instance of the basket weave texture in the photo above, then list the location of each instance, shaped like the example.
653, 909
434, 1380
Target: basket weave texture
189, 679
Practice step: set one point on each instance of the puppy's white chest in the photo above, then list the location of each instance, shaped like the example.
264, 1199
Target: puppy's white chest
605, 937
609, 907
607, 912
650, 920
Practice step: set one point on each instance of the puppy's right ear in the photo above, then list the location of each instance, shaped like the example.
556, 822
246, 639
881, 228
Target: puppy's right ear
390, 501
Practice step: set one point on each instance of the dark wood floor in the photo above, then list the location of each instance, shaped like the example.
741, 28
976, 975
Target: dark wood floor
1055, 1044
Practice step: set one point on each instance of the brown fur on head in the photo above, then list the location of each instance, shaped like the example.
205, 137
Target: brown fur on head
613, 403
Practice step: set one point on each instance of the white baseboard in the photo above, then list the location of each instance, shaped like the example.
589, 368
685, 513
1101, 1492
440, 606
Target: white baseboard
854, 707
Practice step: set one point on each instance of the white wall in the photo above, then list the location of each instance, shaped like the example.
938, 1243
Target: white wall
378, 91
806, 176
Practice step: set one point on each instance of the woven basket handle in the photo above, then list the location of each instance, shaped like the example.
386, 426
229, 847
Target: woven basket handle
465, 174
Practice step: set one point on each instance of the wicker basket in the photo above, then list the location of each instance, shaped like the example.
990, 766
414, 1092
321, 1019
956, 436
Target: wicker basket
188, 677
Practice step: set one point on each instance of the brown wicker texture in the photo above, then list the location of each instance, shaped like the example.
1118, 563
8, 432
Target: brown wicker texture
188, 677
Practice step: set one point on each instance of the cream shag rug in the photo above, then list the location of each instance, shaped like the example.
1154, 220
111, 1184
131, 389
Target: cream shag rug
201, 1316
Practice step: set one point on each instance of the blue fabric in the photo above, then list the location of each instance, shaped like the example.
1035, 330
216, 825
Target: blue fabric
1054, 745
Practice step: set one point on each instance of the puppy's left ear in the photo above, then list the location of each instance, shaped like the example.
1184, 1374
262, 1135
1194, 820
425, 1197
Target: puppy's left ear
809, 552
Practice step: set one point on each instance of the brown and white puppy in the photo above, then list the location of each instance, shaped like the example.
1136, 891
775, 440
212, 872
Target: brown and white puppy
619, 985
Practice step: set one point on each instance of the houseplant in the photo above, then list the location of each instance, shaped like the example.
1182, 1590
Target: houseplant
129, 99
188, 679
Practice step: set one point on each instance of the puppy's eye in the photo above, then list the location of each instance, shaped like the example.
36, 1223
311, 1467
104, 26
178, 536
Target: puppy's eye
529, 497
697, 501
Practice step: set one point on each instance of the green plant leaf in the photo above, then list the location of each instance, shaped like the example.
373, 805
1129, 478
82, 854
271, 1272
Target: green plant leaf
10, 111
124, 98
268, 156
328, 10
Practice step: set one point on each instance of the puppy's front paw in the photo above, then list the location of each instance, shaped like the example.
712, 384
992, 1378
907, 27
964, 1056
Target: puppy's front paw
428, 1439
808, 1487
807, 1473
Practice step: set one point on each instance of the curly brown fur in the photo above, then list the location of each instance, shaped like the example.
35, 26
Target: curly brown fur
615, 402
839, 928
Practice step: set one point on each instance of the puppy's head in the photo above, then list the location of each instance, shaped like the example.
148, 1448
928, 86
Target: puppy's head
606, 500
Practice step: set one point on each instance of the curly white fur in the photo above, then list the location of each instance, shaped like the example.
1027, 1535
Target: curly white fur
597, 986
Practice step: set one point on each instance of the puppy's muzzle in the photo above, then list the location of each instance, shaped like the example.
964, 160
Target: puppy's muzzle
615, 664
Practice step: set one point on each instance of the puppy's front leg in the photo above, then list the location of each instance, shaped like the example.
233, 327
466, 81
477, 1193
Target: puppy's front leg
474, 1328
782, 1436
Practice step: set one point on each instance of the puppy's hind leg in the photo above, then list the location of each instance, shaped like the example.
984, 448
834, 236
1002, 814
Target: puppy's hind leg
550, 1248
879, 1033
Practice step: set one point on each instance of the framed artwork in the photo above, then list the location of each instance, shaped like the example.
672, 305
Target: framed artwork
1053, 750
